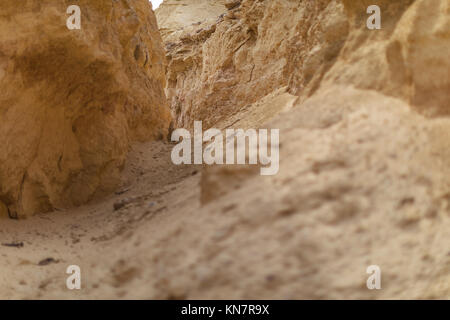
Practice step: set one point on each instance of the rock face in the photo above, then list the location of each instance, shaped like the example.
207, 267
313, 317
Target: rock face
72, 100
252, 50
174, 16
365, 137
406, 59
216, 68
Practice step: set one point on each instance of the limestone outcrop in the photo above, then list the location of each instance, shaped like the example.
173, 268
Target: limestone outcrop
71, 101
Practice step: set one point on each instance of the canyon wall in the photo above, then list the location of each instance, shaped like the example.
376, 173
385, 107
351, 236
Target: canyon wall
218, 66
364, 148
223, 69
71, 101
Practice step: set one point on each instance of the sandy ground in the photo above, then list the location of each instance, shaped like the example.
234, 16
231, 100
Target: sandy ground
93, 236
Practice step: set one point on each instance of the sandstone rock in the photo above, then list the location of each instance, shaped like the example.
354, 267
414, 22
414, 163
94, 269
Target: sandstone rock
73, 100
248, 55
306, 46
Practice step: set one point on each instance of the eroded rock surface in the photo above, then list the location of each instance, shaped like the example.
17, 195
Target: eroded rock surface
365, 137
71, 101
217, 67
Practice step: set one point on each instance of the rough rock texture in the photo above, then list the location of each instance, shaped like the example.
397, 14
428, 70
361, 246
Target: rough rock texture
365, 137
252, 50
259, 46
407, 59
72, 100
174, 16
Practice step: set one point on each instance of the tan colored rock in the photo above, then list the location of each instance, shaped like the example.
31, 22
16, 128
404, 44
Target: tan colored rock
72, 100
364, 180
310, 47
174, 16
218, 180
217, 69
408, 58
364, 161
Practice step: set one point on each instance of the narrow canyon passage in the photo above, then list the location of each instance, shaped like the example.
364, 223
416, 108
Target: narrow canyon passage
364, 149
